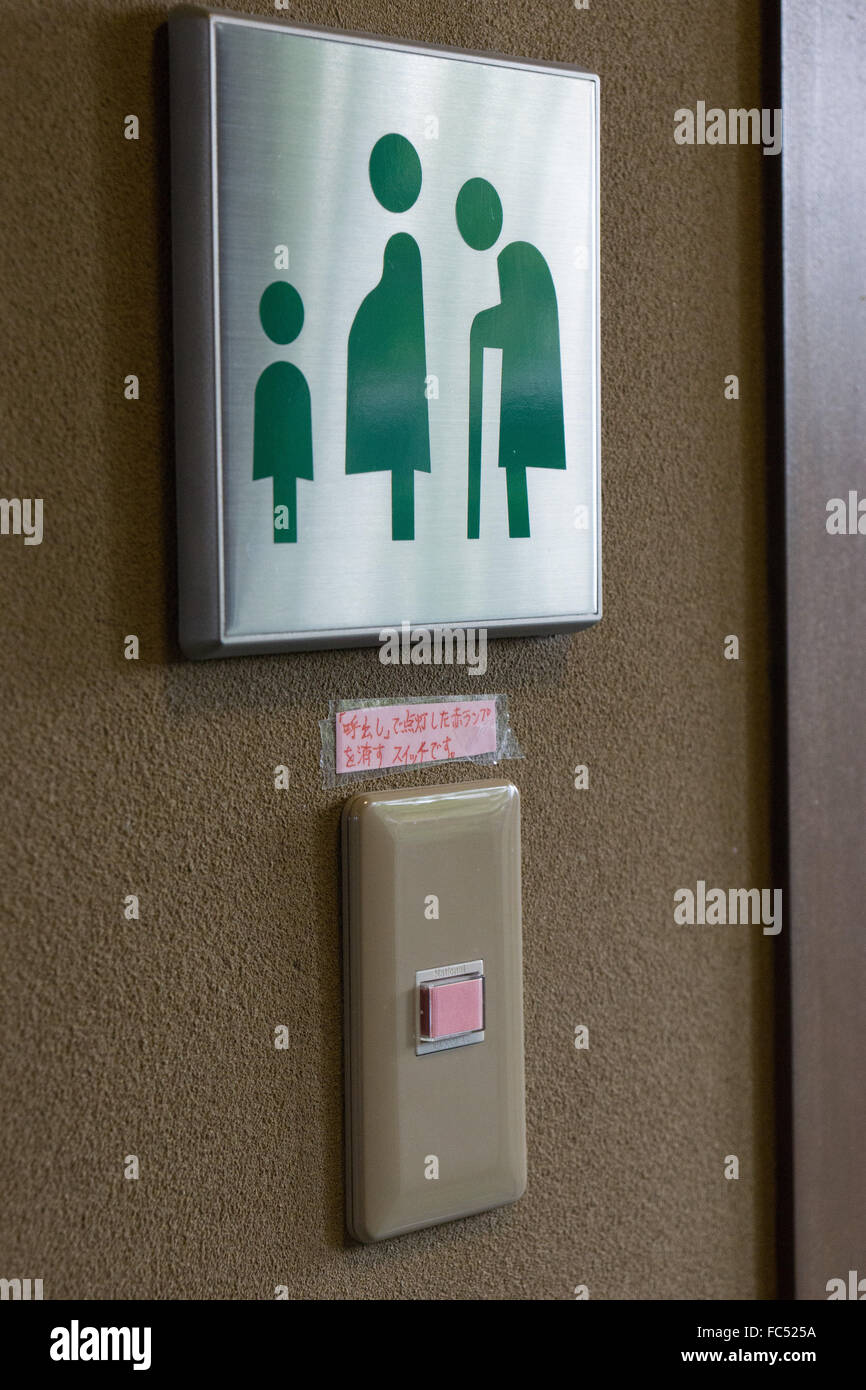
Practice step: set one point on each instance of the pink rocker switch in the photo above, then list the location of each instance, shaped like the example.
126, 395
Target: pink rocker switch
452, 1008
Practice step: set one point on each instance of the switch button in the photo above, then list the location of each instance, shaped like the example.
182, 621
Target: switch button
451, 1008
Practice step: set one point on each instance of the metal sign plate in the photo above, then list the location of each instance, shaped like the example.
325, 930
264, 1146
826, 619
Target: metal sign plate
386, 338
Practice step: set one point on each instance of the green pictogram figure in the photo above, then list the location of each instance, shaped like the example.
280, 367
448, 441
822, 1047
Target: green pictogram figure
386, 407
282, 430
525, 325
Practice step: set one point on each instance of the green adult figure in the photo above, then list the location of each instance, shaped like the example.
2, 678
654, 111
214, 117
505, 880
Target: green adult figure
387, 426
282, 430
525, 325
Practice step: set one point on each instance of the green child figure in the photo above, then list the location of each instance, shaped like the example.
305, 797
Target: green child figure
282, 431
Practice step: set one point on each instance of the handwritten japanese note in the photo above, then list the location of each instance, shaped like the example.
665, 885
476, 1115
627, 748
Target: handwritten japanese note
383, 736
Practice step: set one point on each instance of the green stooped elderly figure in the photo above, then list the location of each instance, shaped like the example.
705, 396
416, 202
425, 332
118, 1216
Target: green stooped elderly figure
525, 327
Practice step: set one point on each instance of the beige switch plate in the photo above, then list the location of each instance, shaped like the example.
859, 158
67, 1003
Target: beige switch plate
458, 1111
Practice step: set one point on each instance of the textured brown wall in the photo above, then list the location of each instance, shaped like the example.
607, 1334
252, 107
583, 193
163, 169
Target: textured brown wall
155, 777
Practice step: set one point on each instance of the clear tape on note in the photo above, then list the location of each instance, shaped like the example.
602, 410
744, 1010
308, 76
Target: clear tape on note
370, 738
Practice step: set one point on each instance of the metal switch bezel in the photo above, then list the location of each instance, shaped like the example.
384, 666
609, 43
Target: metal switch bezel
462, 970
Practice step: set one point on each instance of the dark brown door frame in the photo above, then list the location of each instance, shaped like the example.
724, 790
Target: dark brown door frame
823, 67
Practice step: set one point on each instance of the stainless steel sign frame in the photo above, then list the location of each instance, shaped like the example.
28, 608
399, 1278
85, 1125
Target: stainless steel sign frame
386, 285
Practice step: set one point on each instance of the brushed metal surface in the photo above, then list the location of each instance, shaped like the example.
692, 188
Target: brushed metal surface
286, 120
